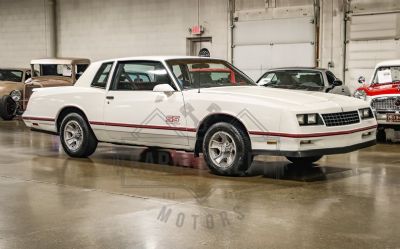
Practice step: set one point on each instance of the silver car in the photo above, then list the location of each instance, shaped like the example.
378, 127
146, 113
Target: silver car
304, 78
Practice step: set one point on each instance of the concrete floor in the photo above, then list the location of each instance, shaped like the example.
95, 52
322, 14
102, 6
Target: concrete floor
113, 200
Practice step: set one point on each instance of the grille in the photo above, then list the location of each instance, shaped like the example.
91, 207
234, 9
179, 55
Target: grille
27, 94
341, 118
29, 90
386, 103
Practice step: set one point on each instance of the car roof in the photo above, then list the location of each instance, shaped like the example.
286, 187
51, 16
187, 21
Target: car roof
297, 68
157, 58
65, 61
388, 63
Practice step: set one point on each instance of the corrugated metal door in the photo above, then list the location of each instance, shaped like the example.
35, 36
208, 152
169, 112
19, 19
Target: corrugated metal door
263, 44
371, 38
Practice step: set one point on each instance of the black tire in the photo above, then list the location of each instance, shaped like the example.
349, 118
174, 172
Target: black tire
7, 107
87, 145
304, 161
242, 156
381, 136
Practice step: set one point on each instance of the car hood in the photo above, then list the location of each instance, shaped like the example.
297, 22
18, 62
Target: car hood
293, 99
380, 89
47, 81
7, 86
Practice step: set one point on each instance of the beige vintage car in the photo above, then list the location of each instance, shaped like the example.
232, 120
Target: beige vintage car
50, 72
12, 81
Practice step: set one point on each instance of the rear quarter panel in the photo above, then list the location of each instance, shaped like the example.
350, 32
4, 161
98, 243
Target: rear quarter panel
46, 104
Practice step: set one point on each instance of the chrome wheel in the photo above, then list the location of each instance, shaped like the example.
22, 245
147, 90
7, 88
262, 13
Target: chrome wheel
73, 135
222, 149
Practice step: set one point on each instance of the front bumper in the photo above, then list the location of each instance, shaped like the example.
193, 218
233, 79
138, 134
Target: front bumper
382, 121
317, 152
318, 144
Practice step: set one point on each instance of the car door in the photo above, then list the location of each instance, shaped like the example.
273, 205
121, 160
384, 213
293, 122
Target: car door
135, 114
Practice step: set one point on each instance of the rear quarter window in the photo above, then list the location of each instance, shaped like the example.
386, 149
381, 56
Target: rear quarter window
101, 78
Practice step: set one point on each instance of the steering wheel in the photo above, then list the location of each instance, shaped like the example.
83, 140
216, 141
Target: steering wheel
132, 84
223, 80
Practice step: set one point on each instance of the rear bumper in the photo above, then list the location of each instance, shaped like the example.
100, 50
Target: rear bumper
317, 152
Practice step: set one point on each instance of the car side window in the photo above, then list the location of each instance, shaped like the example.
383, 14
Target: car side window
331, 77
140, 76
101, 77
181, 73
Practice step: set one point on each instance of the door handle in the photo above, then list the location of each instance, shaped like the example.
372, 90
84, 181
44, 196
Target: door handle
109, 97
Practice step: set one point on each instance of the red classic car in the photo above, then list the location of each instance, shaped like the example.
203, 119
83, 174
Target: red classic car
383, 93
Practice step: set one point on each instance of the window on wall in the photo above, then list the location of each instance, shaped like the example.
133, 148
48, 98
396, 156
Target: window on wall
101, 77
140, 76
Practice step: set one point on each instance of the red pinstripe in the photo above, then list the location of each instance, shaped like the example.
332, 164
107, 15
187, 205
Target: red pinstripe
259, 133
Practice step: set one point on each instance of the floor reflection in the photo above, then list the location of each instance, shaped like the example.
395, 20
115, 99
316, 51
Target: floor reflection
279, 169
290, 171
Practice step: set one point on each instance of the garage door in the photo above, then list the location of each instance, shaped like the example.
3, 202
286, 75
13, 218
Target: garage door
263, 44
371, 39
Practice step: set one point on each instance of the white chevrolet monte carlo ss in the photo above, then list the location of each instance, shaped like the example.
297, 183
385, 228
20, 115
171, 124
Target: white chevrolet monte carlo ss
202, 105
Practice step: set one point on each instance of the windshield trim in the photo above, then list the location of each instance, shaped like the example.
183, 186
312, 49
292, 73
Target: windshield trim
40, 70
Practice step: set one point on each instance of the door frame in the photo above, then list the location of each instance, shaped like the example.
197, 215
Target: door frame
190, 41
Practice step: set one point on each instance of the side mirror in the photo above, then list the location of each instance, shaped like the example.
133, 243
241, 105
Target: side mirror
361, 80
337, 83
165, 88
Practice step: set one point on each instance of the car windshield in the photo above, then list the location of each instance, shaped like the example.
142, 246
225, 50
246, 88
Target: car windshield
59, 69
11, 75
387, 75
293, 79
205, 73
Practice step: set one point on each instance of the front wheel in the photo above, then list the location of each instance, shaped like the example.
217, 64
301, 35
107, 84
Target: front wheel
77, 138
8, 107
304, 161
227, 150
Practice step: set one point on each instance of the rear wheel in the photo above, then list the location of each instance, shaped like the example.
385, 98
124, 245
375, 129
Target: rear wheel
7, 107
227, 150
77, 138
303, 161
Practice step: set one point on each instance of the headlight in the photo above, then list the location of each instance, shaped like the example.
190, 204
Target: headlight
16, 95
301, 119
366, 113
360, 94
309, 119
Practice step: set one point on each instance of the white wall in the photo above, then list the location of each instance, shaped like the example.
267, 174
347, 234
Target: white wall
100, 29
22, 32
332, 36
